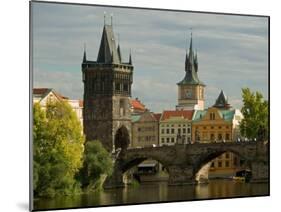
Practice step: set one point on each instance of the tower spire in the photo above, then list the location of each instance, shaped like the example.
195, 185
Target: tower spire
84, 56
130, 58
118, 48
104, 17
111, 19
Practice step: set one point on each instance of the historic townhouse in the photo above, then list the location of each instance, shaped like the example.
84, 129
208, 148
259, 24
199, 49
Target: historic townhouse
175, 127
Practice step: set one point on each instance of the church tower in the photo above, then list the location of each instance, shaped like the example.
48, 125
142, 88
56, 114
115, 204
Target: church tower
191, 89
107, 90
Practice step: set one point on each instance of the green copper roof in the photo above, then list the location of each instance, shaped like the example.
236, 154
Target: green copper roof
135, 118
198, 115
227, 115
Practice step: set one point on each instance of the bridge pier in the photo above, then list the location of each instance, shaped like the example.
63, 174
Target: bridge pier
115, 180
259, 172
179, 175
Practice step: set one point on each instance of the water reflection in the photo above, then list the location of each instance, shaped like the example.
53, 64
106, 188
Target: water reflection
156, 192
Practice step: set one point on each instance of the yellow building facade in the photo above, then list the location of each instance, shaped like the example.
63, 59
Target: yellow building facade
219, 123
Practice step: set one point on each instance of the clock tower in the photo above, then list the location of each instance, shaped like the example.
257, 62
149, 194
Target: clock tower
191, 89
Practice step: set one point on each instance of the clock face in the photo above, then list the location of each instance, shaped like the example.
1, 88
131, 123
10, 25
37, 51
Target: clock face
188, 94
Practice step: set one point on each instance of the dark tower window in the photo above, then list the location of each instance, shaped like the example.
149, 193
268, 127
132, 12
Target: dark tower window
118, 87
126, 87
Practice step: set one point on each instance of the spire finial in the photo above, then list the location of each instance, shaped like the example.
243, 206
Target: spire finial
118, 38
111, 18
104, 17
84, 55
190, 38
130, 57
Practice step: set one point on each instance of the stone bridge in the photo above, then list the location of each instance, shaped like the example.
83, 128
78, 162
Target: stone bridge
184, 161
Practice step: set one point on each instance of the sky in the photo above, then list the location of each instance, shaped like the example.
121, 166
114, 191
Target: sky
232, 50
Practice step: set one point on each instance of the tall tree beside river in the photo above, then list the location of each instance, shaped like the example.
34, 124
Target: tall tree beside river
57, 149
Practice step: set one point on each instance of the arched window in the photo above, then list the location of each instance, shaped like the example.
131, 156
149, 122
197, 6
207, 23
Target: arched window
122, 107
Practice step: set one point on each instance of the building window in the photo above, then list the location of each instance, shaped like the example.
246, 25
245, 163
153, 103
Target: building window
212, 116
118, 87
122, 108
204, 128
183, 130
212, 127
168, 140
172, 130
172, 140
188, 130
226, 163
219, 127
213, 164
227, 136
226, 155
162, 131
139, 129
179, 131
219, 137
167, 131
235, 161
162, 140
212, 137
126, 87
219, 164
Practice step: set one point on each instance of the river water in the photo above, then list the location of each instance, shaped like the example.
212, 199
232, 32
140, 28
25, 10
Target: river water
156, 192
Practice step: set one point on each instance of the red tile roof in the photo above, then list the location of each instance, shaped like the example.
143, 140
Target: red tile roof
137, 105
187, 114
157, 116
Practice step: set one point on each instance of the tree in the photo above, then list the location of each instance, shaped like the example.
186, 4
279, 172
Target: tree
255, 112
97, 162
58, 149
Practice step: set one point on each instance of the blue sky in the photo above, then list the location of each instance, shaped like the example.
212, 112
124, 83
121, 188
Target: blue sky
232, 50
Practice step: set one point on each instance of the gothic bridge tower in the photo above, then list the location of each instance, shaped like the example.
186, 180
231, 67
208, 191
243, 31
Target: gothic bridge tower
191, 89
107, 89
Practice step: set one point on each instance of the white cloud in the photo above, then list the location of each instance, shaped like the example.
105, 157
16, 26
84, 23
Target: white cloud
232, 50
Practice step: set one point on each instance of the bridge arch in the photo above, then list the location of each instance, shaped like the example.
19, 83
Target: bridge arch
208, 157
128, 164
122, 138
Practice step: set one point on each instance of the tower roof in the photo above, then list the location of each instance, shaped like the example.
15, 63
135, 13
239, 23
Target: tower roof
222, 101
191, 68
108, 52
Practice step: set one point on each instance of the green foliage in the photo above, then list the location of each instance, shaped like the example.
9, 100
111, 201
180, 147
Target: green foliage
58, 149
97, 163
255, 112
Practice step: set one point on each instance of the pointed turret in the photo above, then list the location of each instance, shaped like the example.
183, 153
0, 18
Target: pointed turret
108, 51
186, 61
191, 56
196, 62
191, 68
130, 58
119, 53
222, 101
84, 55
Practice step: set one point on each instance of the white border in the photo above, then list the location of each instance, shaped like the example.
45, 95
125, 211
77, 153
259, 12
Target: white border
14, 105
